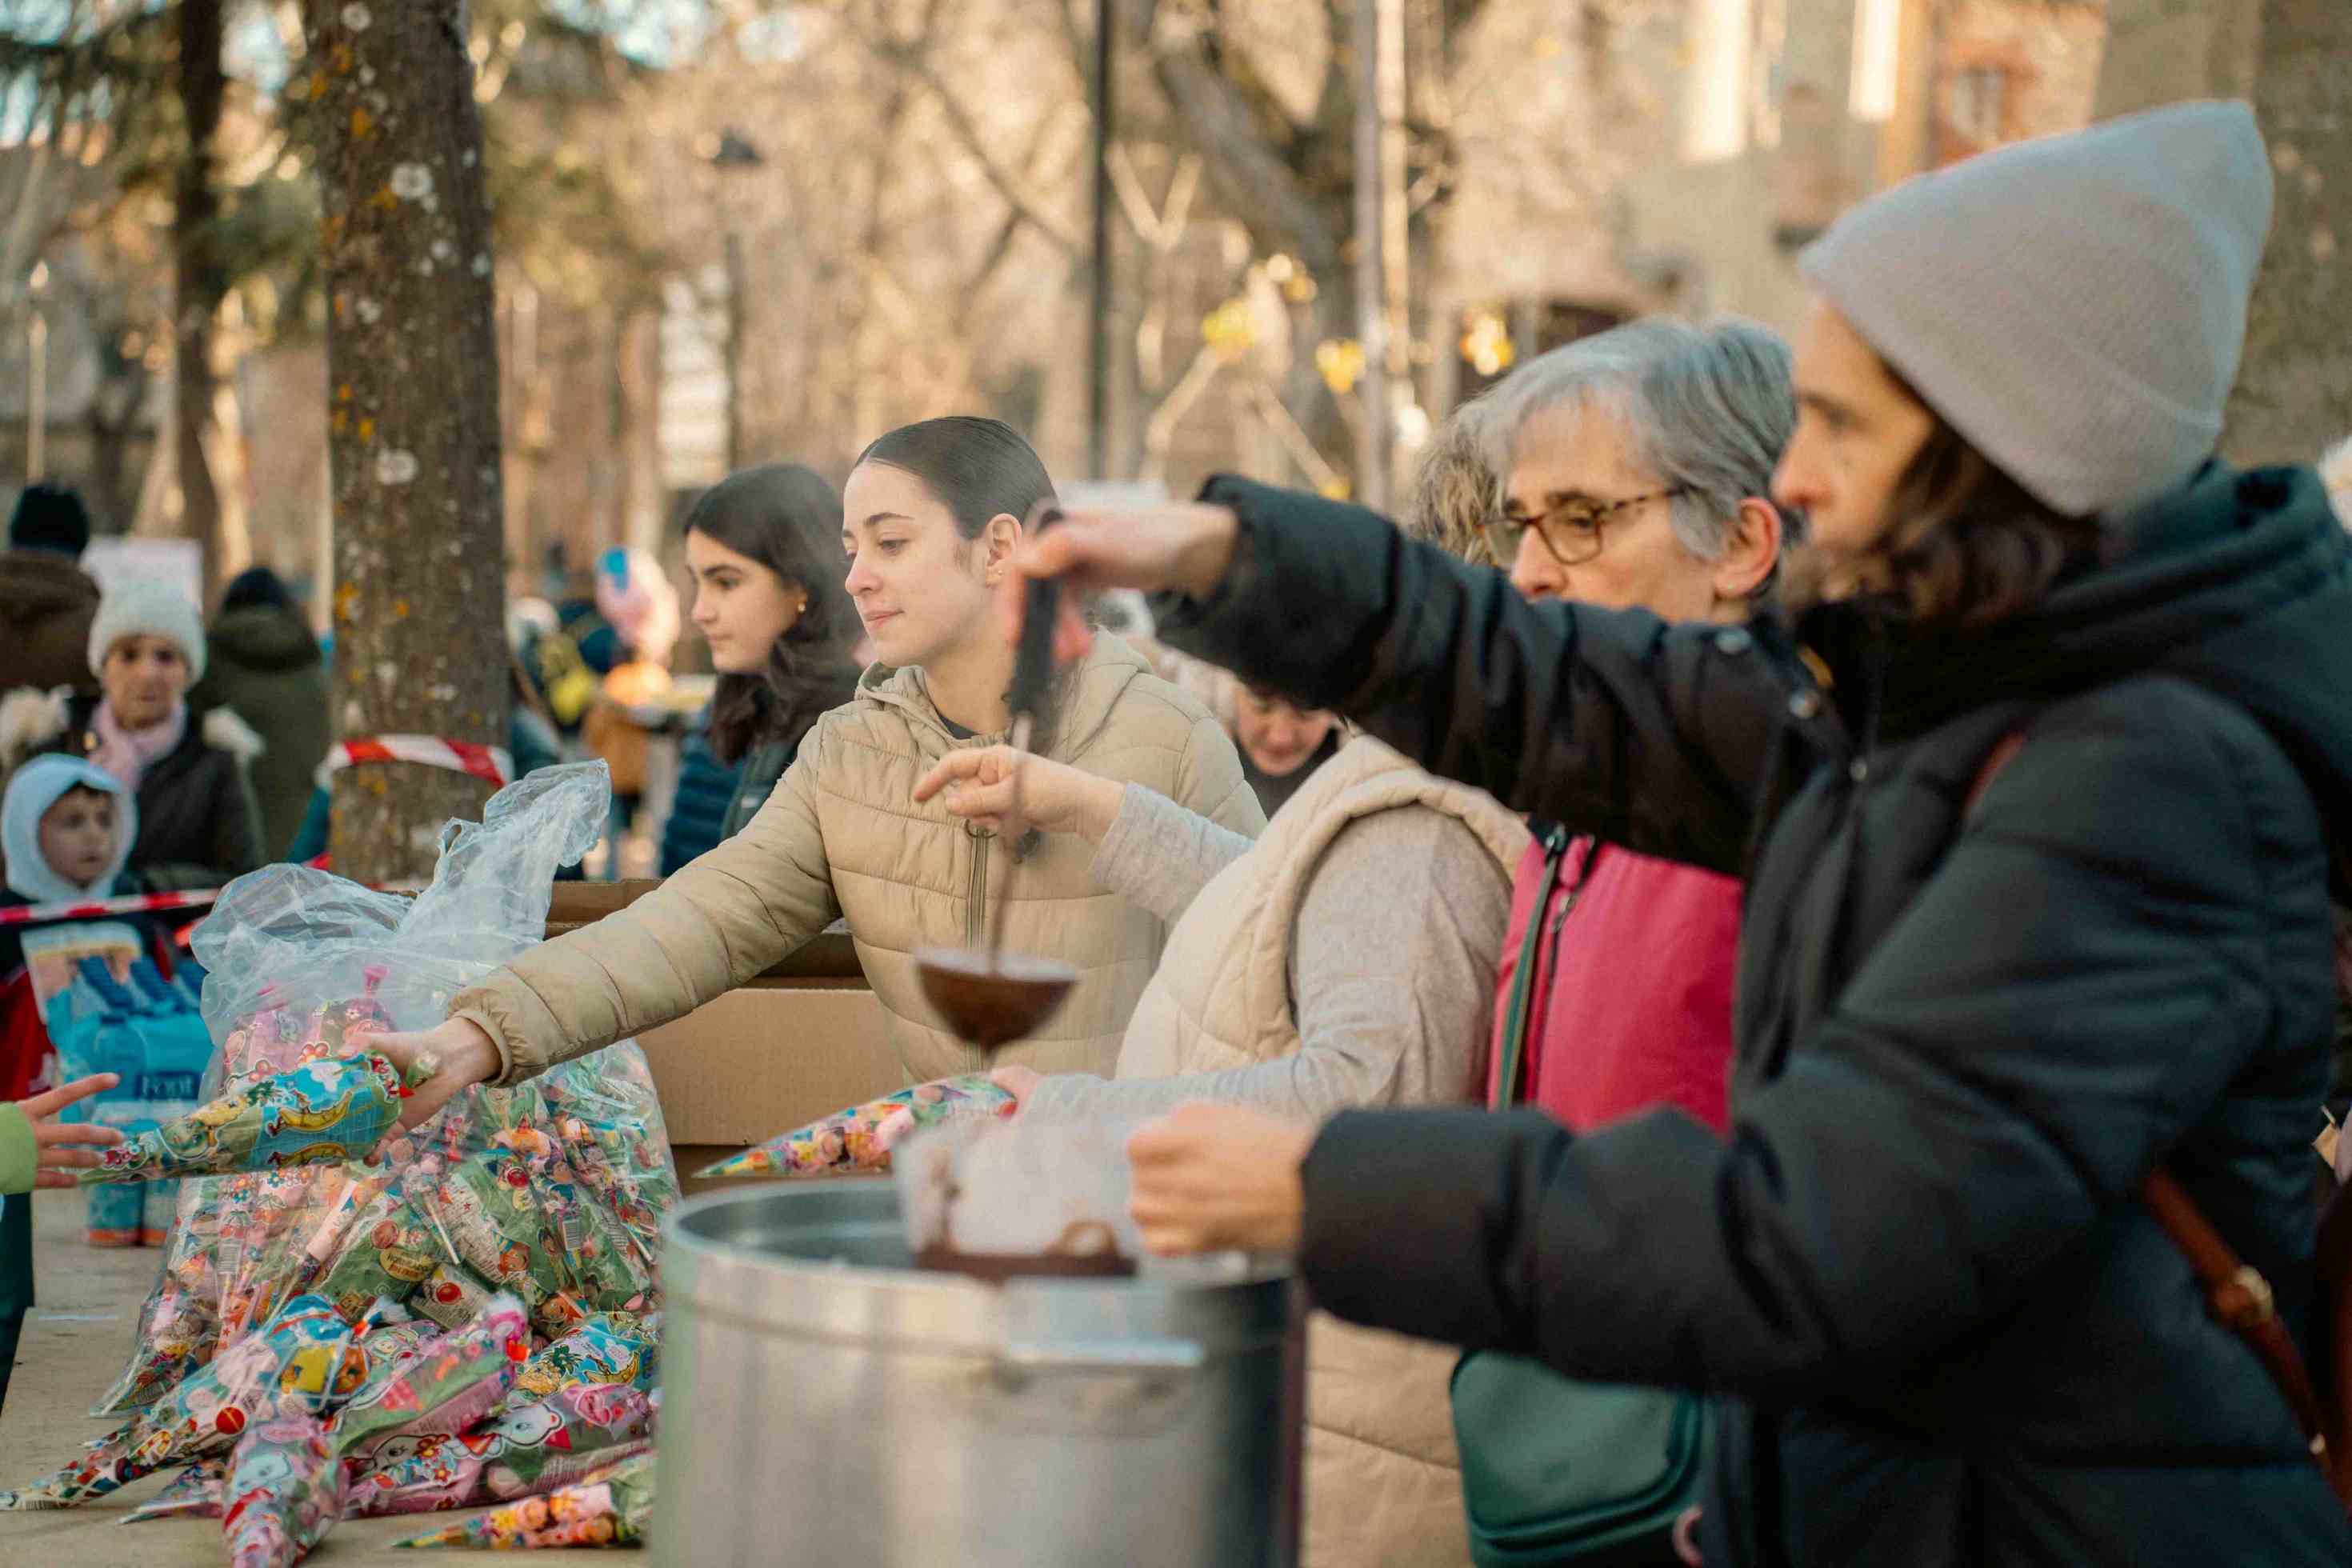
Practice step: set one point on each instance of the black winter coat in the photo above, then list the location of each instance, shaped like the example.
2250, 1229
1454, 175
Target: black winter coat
1948, 1331
266, 666
198, 824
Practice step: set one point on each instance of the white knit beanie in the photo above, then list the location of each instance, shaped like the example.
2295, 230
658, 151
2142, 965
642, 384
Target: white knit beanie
2074, 306
143, 608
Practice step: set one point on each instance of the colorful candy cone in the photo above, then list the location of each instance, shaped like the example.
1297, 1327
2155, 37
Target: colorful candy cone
854, 1141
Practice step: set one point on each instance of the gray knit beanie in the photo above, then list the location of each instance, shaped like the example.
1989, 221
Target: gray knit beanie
2074, 306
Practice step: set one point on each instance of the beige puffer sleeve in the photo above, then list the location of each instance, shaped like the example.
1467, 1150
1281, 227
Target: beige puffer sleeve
1209, 780
706, 929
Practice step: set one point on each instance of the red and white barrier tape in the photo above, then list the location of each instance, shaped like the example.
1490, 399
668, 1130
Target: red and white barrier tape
492, 764
130, 904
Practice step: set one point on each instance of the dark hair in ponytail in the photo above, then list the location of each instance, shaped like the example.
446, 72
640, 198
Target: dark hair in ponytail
979, 468
786, 518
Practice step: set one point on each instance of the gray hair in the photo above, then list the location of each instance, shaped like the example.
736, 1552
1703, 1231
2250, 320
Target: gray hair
1708, 409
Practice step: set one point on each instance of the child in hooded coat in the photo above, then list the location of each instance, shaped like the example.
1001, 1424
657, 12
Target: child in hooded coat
66, 827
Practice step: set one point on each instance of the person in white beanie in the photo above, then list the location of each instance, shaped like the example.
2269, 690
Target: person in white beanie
2035, 805
199, 825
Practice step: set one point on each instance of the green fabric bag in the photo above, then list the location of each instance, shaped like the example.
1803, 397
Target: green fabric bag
1555, 1470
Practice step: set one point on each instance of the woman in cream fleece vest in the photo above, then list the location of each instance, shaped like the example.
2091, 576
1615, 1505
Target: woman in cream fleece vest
1346, 958
930, 514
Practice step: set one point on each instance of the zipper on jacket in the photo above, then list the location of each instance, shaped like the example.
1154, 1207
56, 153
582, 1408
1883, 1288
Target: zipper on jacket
1568, 900
975, 924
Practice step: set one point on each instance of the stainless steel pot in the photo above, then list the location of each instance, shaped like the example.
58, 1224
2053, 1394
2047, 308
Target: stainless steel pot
823, 1402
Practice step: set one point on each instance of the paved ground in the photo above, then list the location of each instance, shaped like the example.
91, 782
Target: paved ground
75, 1344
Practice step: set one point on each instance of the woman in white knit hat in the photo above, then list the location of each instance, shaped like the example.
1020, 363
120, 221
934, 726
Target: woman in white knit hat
2035, 805
198, 823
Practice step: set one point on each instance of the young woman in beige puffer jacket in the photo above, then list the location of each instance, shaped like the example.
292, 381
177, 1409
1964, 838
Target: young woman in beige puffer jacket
931, 512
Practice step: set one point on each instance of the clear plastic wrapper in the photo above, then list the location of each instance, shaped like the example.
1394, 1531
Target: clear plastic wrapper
317, 1112
612, 1508
528, 1448
555, 1189
442, 1420
286, 1491
994, 1195
857, 1141
193, 1492
304, 1361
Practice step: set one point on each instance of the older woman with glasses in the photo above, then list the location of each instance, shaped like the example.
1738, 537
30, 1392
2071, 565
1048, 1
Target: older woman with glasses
1634, 470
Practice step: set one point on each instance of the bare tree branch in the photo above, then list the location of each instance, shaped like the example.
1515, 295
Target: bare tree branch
913, 60
1249, 175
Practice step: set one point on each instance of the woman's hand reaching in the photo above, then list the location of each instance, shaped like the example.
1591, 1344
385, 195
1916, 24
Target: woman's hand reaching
61, 1147
461, 1054
977, 784
1218, 1178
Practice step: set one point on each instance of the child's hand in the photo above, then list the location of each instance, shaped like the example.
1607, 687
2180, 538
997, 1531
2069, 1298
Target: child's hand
63, 1146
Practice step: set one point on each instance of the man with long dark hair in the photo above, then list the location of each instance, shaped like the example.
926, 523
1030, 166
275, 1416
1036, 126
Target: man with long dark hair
1977, 1006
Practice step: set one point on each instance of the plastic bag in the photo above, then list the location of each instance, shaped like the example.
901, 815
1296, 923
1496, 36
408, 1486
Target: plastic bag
1044, 1190
555, 1189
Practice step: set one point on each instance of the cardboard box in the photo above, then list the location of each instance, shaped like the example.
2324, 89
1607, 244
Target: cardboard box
758, 1061
802, 1041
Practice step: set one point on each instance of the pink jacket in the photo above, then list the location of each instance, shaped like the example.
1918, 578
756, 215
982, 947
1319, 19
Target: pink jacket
1632, 999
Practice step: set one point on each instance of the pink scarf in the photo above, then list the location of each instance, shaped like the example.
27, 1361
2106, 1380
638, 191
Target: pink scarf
126, 753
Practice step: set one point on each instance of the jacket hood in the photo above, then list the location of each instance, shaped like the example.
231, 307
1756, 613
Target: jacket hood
1083, 694
270, 638
36, 787
2239, 583
38, 583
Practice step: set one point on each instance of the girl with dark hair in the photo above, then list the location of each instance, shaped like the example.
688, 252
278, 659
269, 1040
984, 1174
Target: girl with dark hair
934, 514
761, 548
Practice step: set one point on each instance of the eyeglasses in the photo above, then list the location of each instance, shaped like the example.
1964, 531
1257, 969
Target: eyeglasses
1570, 530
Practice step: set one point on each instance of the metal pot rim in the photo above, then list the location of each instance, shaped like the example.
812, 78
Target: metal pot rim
1222, 1307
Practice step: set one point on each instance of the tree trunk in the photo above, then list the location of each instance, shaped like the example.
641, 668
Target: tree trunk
2294, 394
413, 417
2293, 397
2162, 51
199, 281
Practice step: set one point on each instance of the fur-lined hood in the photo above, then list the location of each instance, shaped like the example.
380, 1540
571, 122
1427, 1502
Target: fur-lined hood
33, 721
2336, 473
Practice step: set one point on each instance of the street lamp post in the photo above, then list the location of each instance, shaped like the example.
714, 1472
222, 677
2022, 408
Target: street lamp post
1098, 300
735, 155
